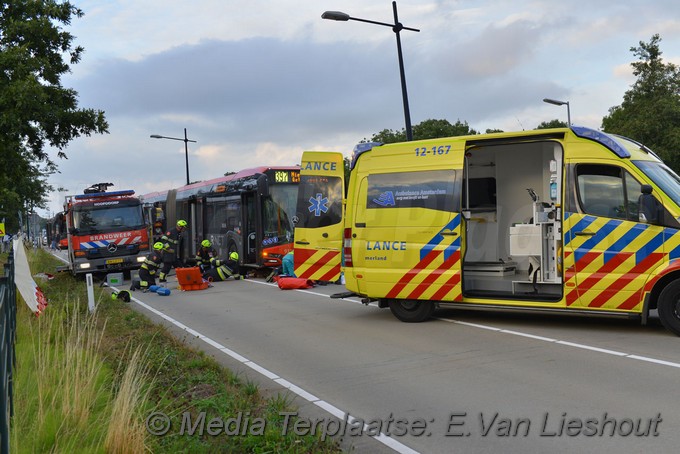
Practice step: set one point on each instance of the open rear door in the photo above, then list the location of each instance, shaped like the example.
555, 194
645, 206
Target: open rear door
319, 216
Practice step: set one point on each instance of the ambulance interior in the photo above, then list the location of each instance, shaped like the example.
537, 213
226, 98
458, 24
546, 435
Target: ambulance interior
511, 196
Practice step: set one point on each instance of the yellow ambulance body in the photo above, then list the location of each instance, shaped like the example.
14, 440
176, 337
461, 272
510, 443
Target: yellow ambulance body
567, 219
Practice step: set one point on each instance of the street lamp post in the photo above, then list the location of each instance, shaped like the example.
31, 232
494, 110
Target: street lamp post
560, 103
186, 148
396, 28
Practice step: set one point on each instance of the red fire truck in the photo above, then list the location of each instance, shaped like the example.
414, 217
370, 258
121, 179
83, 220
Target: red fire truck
106, 230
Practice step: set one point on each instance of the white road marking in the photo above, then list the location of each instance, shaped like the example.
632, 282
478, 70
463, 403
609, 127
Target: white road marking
566, 343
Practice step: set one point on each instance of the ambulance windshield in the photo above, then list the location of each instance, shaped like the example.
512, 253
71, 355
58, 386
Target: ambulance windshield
663, 176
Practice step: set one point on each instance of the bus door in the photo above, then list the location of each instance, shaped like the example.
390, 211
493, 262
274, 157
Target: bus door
201, 225
250, 222
609, 247
319, 216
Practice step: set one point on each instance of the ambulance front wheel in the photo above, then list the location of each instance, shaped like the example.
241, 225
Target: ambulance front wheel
411, 311
669, 307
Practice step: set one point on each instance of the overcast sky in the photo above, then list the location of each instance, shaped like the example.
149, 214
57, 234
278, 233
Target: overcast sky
257, 82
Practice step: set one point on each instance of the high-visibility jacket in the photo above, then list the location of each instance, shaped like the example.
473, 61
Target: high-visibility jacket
152, 262
205, 257
172, 238
224, 271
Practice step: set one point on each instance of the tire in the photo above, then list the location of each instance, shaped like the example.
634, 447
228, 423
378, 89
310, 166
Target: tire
669, 307
411, 311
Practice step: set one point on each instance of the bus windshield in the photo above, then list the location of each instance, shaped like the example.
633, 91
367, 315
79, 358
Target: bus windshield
277, 211
663, 176
89, 220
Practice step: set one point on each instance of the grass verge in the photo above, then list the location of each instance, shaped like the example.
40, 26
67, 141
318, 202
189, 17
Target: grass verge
89, 383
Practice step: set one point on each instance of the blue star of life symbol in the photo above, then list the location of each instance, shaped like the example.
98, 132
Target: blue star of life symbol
318, 204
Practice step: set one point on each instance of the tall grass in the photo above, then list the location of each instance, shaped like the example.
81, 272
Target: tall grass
61, 398
126, 430
66, 397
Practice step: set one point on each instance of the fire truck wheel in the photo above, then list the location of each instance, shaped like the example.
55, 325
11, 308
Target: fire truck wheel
411, 311
669, 307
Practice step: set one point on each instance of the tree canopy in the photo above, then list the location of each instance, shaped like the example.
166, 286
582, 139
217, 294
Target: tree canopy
552, 124
36, 111
650, 111
427, 129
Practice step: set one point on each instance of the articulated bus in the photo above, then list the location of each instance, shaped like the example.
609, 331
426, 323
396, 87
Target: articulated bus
249, 212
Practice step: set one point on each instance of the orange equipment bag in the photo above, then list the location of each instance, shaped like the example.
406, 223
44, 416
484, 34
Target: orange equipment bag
190, 279
292, 283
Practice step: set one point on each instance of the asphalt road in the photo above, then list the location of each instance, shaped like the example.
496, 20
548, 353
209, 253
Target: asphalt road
467, 381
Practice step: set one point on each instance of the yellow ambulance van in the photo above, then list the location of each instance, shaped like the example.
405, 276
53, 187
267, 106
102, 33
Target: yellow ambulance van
567, 219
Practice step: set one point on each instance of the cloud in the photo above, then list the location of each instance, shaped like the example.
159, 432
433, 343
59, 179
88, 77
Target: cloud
246, 86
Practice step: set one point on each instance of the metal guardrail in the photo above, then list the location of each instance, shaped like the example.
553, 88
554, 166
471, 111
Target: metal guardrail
8, 312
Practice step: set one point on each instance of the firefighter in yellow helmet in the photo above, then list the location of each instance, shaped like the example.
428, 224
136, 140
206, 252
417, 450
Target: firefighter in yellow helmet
147, 272
204, 255
172, 241
223, 270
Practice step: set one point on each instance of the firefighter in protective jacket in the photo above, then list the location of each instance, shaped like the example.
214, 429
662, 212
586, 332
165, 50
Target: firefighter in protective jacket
148, 269
221, 271
204, 256
171, 240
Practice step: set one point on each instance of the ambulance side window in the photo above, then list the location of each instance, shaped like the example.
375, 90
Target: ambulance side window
411, 199
607, 191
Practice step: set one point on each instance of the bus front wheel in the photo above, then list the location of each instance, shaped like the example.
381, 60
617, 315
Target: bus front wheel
231, 248
411, 311
669, 307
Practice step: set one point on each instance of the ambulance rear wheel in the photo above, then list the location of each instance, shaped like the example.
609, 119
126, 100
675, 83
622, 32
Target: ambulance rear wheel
411, 311
669, 307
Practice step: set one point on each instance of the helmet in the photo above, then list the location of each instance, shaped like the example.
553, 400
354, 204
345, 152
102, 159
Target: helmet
158, 245
233, 256
206, 243
181, 223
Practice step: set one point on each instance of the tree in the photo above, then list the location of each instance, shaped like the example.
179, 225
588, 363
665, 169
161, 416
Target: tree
650, 111
428, 129
35, 109
552, 124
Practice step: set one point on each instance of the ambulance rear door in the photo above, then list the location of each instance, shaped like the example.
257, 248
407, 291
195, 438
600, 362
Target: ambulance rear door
319, 216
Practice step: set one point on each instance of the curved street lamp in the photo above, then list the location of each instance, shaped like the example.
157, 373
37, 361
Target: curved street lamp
396, 28
560, 103
186, 147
